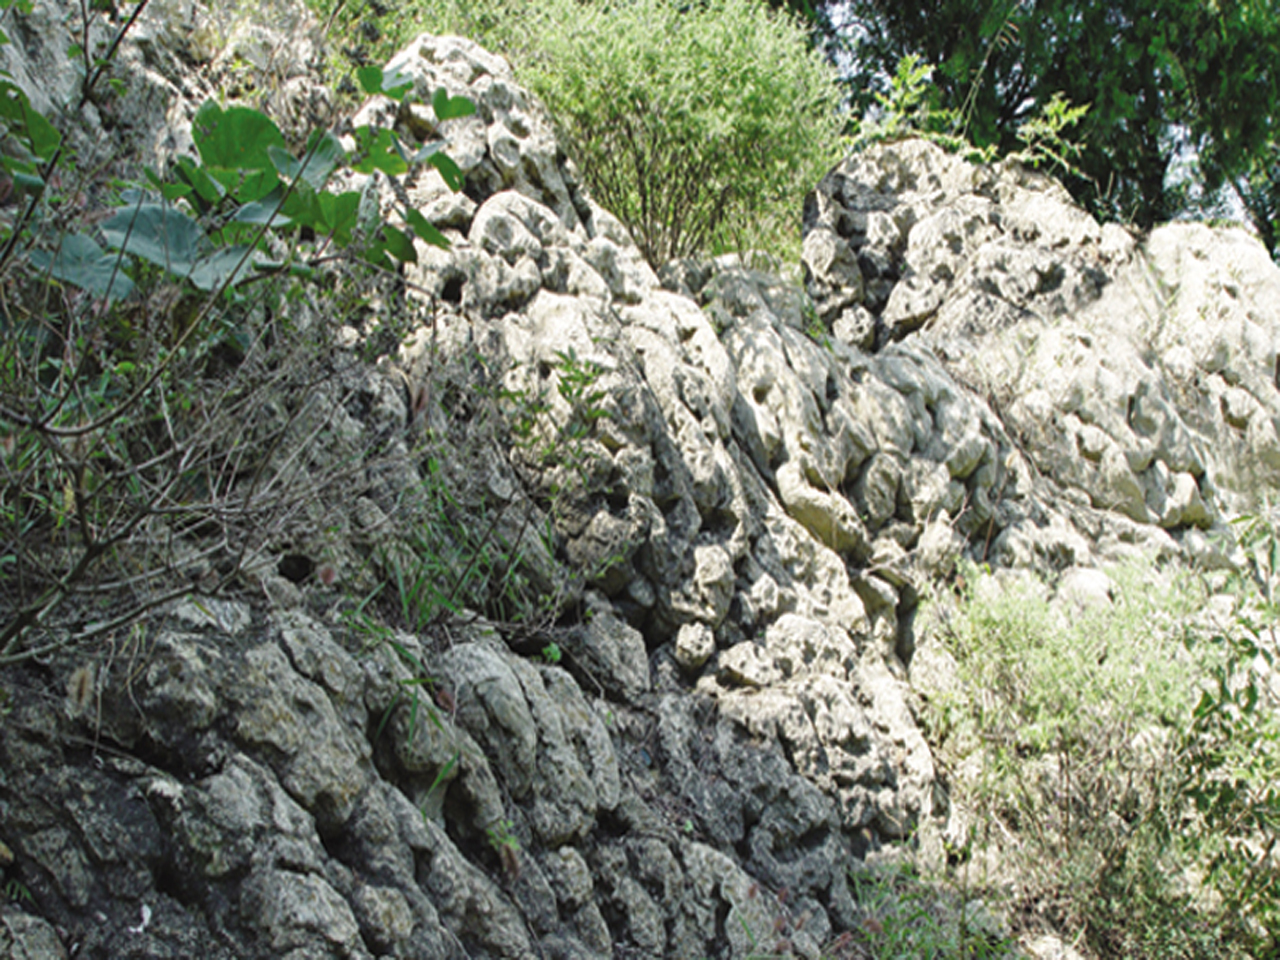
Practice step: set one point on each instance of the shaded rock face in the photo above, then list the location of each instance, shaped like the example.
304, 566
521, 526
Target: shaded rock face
744, 531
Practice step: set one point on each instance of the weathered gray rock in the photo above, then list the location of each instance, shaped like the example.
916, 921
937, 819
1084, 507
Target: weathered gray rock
712, 520
1141, 374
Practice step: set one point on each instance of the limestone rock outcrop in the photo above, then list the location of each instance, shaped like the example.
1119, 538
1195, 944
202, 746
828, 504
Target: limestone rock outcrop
1139, 372
729, 488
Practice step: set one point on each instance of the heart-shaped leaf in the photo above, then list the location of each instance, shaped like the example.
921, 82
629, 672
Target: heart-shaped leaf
234, 145
81, 262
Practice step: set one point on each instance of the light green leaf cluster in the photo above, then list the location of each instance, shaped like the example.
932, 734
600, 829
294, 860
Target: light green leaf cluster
701, 126
691, 123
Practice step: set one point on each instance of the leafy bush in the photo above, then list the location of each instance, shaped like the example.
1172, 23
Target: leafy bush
1113, 760
907, 110
688, 122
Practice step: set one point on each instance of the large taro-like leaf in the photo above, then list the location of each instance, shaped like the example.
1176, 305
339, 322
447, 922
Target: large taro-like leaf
235, 148
82, 263
173, 241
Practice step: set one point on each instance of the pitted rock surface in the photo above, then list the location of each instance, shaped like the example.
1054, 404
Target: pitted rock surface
733, 552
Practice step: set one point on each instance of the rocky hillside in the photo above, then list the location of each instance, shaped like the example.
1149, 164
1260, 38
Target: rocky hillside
726, 488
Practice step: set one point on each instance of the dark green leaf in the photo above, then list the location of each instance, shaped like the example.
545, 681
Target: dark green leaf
373, 81
452, 174
26, 123
234, 146
338, 215
173, 241
399, 244
323, 155
378, 150
236, 138
245, 185
80, 261
370, 79
27, 183
206, 188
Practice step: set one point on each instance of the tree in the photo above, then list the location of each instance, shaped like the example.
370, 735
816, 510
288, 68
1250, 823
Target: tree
1163, 78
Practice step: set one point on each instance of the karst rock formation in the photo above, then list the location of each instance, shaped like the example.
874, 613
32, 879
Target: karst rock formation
777, 468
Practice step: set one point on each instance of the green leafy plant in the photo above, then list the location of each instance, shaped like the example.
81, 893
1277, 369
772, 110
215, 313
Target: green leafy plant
1162, 77
905, 915
1098, 739
1043, 136
1231, 751
459, 557
908, 109
157, 397
576, 383
691, 124
507, 846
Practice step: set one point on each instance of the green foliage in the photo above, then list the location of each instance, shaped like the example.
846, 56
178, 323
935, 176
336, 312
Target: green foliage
908, 916
563, 439
1043, 136
507, 846
457, 559
1259, 189
1232, 750
687, 122
1127, 755
1159, 76
700, 126
152, 371
500, 836
908, 108
576, 384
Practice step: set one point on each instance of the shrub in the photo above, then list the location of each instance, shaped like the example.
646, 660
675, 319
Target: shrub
689, 122
167, 391
1094, 751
